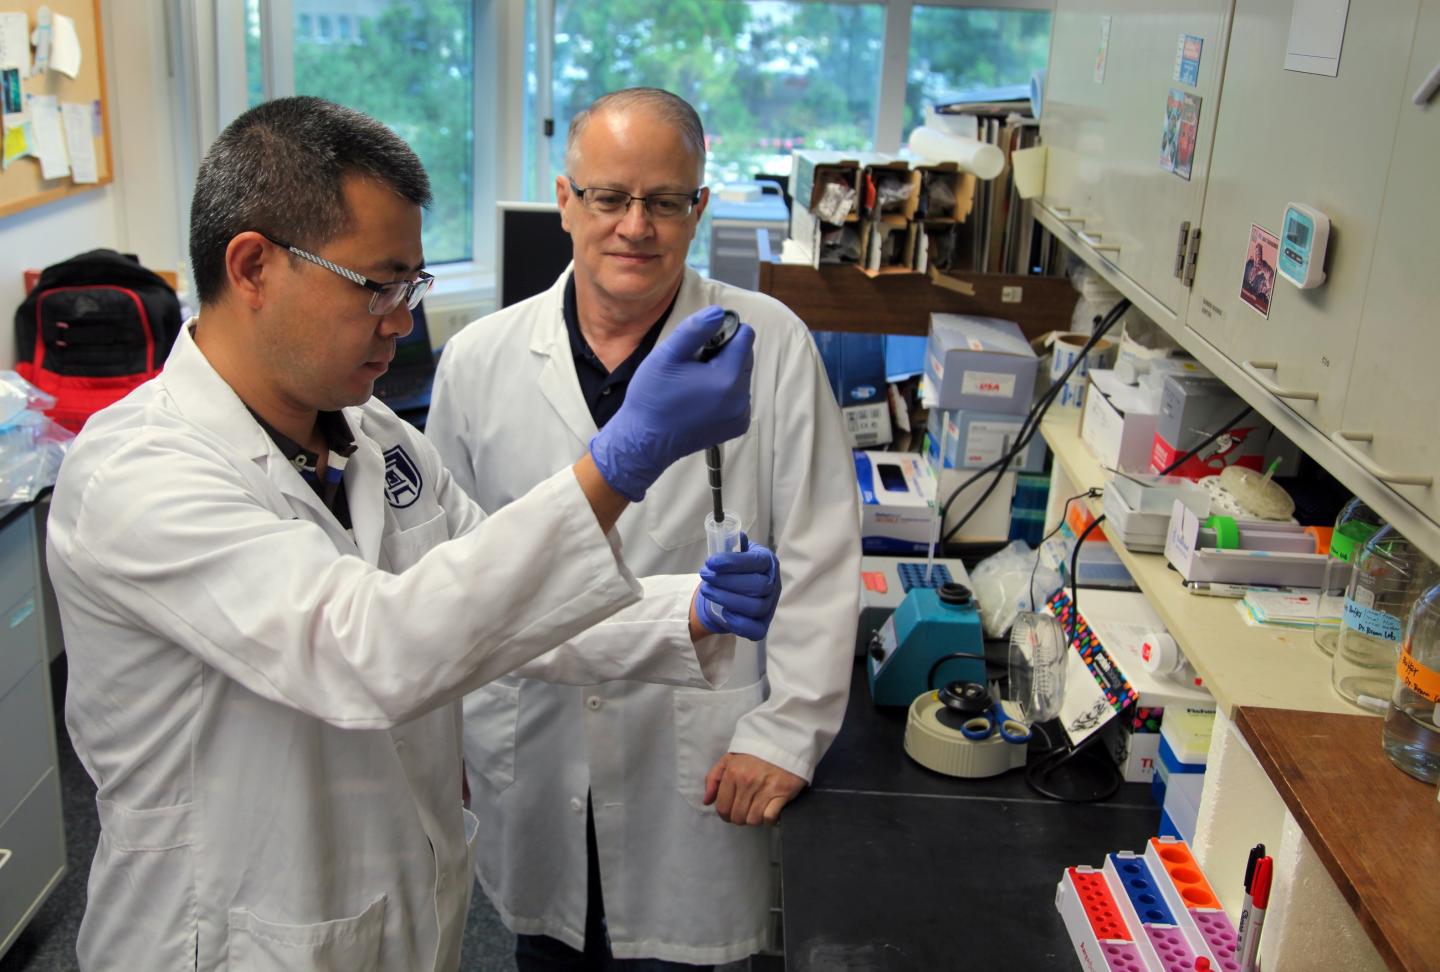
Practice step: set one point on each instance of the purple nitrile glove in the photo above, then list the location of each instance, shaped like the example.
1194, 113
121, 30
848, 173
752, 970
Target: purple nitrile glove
676, 405
745, 584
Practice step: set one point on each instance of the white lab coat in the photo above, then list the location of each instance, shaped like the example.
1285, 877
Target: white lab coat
269, 707
679, 883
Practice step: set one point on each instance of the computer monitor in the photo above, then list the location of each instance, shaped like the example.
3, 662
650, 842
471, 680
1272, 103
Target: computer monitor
533, 249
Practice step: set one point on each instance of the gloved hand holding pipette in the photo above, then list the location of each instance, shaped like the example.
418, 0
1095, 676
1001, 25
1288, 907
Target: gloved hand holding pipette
676, 405
739, 591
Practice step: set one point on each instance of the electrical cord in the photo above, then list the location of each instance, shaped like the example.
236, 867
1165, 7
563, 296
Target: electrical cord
1239, 417
1090, 493
1029, 427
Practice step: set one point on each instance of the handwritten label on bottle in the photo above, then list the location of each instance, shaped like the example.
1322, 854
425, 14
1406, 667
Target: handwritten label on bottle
1368, 621
1418, 678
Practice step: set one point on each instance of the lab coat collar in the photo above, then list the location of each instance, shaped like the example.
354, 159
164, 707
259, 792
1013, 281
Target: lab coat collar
550, 340
558, 381
365, 486
205, 398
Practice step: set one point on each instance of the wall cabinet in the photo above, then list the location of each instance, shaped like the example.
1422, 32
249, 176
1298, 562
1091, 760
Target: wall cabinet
1347, 370
1103, 132
1287, 136
1394, 392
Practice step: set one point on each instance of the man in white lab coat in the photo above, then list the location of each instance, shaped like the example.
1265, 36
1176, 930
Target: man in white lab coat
676, 782
273, 595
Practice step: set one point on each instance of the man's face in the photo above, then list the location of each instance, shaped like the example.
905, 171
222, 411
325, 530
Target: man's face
320, 345
630, 258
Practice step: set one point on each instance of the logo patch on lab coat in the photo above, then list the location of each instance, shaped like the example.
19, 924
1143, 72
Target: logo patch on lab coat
402, 478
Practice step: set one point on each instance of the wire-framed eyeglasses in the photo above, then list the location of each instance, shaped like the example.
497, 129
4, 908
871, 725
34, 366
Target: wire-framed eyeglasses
614, 202
384, 297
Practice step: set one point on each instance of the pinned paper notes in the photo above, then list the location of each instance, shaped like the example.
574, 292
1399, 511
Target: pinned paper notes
80, 141
49, 145
65, 47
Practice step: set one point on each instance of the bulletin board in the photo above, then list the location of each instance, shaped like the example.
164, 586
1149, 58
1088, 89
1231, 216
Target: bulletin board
21, 184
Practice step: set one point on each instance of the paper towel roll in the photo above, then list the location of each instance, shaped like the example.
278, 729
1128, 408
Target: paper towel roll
981, 158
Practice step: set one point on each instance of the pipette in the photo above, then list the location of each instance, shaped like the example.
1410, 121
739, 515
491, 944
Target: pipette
722, 530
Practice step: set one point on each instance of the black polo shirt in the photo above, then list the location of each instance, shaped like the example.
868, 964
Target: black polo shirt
341, 444
604, 390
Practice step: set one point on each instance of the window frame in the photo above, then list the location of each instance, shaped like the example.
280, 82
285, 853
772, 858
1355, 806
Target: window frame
217, 66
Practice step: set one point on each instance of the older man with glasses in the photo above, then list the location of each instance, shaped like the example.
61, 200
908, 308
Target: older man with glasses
274, 596
626, 821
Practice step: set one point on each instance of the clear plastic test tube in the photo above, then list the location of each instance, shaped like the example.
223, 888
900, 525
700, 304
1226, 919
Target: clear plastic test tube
722, 537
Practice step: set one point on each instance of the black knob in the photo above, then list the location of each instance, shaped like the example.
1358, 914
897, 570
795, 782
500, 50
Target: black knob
957, 594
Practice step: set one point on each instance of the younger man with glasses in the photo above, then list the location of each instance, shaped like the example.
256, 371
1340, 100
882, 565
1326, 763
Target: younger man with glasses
274, 596
625, 820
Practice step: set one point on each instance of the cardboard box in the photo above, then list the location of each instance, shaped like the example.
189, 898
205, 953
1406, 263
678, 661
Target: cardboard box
1191, 408
979, 363
960, 183
1115, 424
896, 490
811, 172
972, 440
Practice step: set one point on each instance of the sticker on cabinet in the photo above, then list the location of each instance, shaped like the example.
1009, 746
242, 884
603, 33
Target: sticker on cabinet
1182, 125
1258, 280
1187, 59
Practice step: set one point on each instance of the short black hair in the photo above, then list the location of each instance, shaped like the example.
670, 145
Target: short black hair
279, 170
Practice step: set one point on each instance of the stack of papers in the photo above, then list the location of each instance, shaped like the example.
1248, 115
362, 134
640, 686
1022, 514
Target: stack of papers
1286, 610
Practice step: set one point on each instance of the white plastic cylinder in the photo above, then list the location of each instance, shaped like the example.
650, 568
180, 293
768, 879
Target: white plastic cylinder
972, 155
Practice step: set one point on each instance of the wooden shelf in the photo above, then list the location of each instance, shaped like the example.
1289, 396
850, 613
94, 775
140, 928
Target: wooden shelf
1241, 664
841, 298
1373, 827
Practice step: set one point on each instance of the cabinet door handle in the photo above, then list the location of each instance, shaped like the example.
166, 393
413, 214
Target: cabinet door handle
4, 857
1253, 369
1093, 241
1343, 440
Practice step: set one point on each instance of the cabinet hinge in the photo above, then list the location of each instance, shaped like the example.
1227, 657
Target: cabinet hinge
1180, 248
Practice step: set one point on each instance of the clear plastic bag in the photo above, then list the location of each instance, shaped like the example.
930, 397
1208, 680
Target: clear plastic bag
31, 445
17, 395
1003, 583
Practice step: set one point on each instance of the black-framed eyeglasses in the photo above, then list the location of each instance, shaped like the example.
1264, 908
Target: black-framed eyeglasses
658, 205
384, 297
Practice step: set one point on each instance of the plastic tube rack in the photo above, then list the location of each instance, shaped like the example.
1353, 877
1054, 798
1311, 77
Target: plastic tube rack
1146, 913
1097, 929
1189, 896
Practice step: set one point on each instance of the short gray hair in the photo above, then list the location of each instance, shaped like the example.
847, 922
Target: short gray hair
670, 108
279, 170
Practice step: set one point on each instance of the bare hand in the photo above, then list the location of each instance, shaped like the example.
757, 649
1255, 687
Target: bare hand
748, 791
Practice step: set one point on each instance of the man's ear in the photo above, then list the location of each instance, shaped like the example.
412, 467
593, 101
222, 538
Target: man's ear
250, 260
563, 195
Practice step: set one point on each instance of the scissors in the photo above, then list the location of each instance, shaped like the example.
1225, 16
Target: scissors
994, 720
982, 713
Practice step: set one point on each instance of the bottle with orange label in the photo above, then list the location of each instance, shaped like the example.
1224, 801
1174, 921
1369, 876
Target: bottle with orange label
1412, 727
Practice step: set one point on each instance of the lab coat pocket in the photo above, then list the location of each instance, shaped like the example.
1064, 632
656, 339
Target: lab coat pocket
143, 854
342, 945
677, 505
491, 714
704, 725
400, 550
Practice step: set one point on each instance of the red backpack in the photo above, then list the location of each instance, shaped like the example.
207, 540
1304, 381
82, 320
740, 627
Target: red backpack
95, 326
